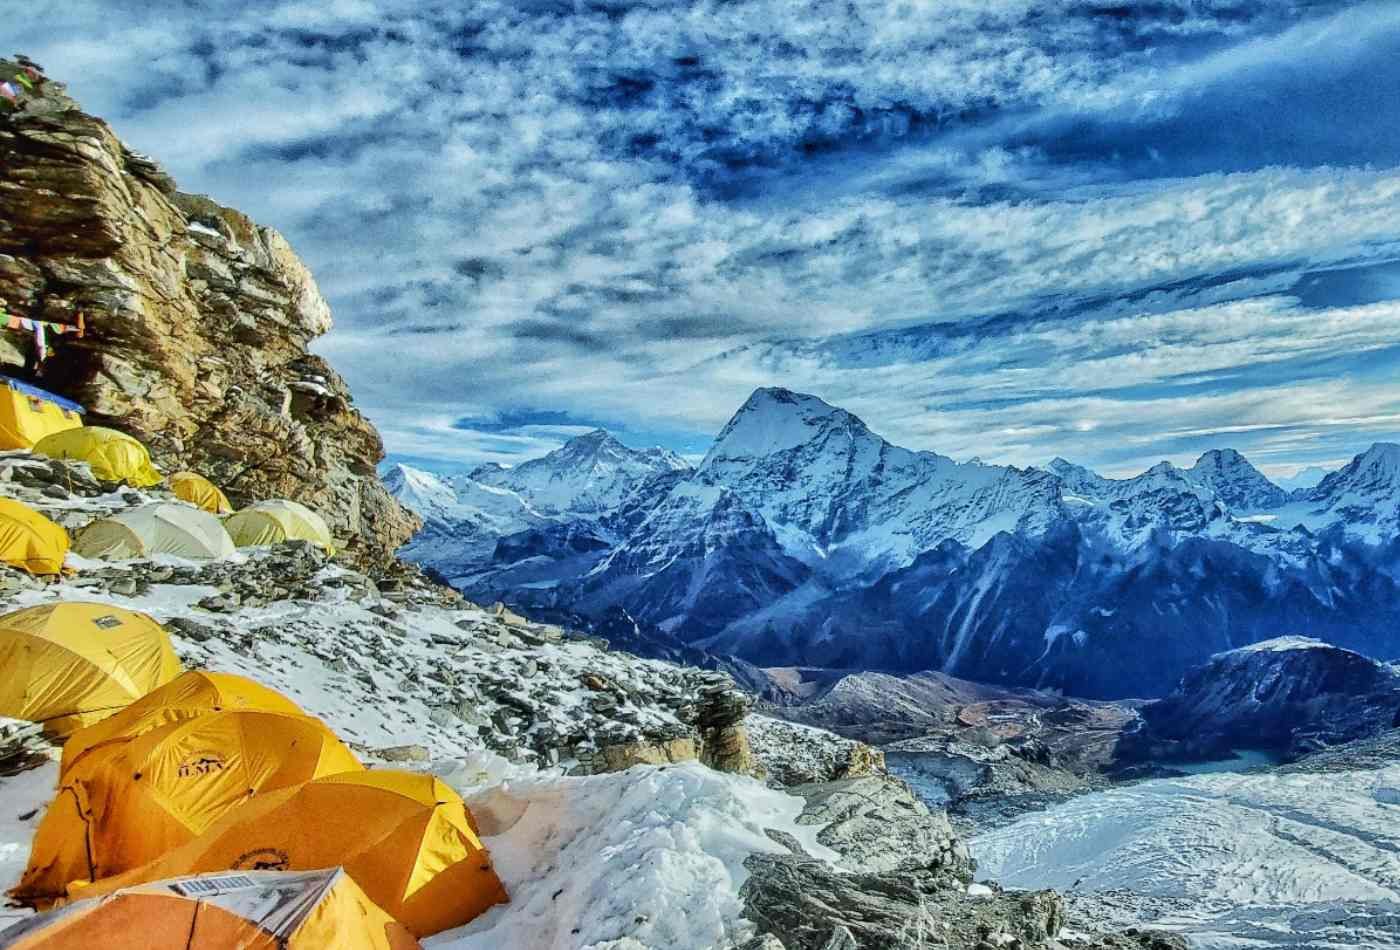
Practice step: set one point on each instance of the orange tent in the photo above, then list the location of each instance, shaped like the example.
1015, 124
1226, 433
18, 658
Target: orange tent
260, 910
404, 837
29, 541
28, 413
127, 802
200, 492
69, 664
188, 695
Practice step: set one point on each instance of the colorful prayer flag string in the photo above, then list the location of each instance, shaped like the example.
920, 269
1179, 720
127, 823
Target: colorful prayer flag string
41, 329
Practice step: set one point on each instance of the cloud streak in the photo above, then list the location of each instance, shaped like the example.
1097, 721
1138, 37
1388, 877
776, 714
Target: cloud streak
1009, 228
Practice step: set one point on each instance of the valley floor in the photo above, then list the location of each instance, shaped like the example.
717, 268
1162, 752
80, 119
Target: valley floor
1270, 859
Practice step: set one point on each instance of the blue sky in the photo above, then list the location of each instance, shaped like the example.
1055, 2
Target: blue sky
1013, 229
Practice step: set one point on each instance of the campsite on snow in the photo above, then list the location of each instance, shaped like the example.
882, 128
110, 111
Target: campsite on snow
817, 477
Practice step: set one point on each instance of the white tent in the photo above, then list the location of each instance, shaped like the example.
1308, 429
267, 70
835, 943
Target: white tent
159, 528
277, 520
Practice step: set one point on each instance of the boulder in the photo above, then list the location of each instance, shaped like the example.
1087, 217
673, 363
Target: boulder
878, 824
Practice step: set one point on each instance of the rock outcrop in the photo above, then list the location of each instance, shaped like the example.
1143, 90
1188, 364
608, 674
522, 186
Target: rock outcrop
903, 882
197, 322
796, 754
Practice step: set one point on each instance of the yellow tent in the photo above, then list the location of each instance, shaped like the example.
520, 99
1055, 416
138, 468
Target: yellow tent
126, 802
188, 695
69, 664
28, 413
404, 837
114, 456
158, 528
254, 910
200, 492
29, 541
269, 522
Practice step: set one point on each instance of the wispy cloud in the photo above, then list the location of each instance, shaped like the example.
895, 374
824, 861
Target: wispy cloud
636, 213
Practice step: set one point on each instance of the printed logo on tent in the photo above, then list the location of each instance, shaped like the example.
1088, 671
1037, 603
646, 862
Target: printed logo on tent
107, 622
263, 859
206, 763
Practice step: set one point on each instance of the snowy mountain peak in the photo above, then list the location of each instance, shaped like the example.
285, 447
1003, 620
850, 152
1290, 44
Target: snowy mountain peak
589, 473
1221, 458
1236, 482
587, 448
1077, 480
423, 493
666, 459
774, 420
1374, 472
1381, 457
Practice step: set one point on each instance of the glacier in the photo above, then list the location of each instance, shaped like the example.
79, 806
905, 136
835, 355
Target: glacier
1230, 860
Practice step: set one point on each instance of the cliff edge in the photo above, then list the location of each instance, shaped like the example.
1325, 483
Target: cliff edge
196, 322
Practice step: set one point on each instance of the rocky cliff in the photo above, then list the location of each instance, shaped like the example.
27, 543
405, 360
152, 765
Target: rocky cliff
197, 322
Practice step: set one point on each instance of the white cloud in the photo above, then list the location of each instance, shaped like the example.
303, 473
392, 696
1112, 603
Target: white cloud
525, 205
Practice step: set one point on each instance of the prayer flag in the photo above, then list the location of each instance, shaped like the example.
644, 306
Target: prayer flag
8, 91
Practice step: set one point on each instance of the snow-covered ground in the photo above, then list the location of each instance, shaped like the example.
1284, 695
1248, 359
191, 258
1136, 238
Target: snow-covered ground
645, 859
22, 799
651, 857
1240, 861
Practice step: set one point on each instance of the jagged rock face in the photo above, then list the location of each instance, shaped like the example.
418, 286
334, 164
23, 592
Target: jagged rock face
197, 324
1289, 694
877, 824
896, 854
902, 884
814, 907
799, 755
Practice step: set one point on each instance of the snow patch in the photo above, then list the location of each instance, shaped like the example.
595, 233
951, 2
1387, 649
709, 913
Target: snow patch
1284, 644
645, 859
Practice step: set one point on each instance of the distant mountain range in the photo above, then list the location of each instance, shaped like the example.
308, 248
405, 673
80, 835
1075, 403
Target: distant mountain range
804, 538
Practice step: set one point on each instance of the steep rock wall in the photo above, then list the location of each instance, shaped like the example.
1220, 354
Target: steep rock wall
197, 323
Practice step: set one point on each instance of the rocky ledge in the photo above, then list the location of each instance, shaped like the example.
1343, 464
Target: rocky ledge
407, 649
902, 881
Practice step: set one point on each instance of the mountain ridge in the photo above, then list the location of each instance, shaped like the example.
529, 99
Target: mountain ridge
804, 536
